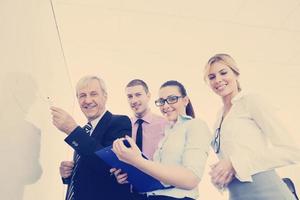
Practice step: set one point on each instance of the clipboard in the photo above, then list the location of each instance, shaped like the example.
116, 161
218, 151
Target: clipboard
140, 181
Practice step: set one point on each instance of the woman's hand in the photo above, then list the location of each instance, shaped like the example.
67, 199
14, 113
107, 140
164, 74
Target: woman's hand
222, 173
130, 154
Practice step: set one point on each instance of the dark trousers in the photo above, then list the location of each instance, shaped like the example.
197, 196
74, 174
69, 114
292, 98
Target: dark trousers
158, 197
137, 196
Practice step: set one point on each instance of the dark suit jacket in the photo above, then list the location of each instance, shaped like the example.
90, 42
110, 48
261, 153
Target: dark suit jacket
92, 180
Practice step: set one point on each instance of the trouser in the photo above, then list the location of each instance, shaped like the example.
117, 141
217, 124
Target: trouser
159, 197
138, 196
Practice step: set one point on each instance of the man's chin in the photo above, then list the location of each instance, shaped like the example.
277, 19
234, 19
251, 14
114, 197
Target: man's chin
139, 114
90, 116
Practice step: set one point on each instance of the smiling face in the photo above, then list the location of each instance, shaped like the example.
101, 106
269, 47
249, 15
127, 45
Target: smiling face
222, 80
91, 99
172, 111
138, 100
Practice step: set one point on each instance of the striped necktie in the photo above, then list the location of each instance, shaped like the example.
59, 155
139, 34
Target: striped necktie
71, 190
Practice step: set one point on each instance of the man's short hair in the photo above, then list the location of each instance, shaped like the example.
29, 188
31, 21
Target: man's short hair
86, 79
136, 82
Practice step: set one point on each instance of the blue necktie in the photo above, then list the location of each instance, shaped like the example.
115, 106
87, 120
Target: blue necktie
70, 192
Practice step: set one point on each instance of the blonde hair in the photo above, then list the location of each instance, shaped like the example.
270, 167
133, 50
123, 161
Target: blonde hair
226, 60
86, 79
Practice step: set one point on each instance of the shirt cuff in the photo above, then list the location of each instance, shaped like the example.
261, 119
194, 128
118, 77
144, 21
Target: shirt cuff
66, 180
241, 166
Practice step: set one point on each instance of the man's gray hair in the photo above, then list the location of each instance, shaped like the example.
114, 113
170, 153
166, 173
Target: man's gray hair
86, 79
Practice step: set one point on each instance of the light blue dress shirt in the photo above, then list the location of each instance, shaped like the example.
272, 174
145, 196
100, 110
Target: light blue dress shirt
186, 143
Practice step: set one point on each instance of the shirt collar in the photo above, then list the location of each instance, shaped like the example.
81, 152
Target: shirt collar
237, 97
181, 119
96, 121
148, 118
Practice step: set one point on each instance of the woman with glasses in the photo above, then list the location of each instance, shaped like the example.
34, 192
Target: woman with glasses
249, 140
181, 155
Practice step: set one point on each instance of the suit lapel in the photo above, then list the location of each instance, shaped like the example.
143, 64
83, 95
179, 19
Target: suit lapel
102, 126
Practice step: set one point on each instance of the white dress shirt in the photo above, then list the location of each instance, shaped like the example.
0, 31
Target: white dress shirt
253, 138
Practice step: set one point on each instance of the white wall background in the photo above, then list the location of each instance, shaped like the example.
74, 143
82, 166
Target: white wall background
121, 40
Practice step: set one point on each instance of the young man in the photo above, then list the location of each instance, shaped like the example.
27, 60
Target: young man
153, 125
147, 127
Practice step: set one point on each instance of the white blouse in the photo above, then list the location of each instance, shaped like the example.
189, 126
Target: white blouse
254, 139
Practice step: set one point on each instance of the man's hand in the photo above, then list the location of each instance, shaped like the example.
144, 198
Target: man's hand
62, 120
66, 168
121, 177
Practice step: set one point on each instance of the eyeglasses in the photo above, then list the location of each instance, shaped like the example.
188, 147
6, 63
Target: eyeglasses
216, 143
169, 100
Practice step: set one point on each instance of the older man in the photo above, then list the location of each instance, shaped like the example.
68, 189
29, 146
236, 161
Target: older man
88, 177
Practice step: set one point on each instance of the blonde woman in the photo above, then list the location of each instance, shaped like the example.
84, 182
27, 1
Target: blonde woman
245, 128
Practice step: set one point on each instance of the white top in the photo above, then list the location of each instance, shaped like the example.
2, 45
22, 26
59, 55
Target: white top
186, 143
254, 139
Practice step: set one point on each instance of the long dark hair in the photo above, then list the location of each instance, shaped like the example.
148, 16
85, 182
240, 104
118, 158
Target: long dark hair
189, 108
